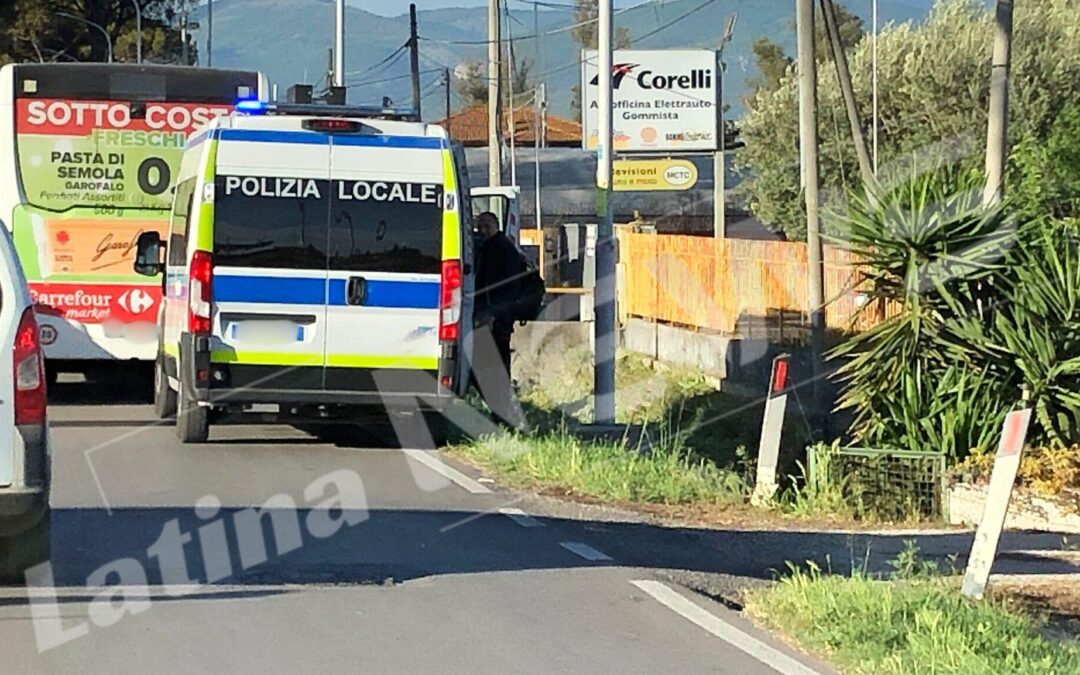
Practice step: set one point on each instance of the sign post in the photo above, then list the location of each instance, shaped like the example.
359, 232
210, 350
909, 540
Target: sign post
1002, 478
771, 428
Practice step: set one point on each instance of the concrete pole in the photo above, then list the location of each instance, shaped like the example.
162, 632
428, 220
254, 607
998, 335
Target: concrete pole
446, 81
604, 293
209, 33
538, 132
138, 31
808, 150
339, 44
874, 81
719, 163
998, 118
494, 76
843, 76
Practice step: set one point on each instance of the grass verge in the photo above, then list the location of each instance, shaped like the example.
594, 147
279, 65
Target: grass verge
908, 626
666, 474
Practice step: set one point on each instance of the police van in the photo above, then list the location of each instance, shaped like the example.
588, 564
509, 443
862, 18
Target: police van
318, 258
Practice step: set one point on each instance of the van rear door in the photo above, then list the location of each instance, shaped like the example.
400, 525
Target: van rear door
385, 260
271, 213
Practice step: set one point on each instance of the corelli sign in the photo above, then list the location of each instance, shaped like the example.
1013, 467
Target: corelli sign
664, 100
633, 175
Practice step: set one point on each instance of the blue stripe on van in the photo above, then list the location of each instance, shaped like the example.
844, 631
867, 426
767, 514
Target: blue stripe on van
309, 291
280, 290
393, 294
312, 138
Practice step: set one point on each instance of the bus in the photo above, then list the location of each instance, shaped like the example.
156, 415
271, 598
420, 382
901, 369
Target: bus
88, 158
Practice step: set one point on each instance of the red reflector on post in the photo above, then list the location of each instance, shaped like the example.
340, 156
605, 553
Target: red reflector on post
780, 375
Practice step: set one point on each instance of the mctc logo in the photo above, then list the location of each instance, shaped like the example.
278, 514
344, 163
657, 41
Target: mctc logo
697, 78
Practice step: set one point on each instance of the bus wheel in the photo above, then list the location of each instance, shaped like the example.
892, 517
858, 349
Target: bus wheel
192, 419
164, 396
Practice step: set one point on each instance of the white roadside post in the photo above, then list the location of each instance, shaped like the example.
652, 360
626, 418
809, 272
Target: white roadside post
1002, 478
771, 428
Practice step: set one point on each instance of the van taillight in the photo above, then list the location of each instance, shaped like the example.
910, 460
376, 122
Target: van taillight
450, 301
29, 372
201, 276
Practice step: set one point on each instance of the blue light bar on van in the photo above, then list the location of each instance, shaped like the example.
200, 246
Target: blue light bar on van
251, 107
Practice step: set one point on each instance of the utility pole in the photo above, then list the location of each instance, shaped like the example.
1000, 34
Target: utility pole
494, 74
998, 118
538, 132
184, 35
446, 81
339, 44
138, 31
843, 75
719, 157
414, 58
209, 33
874, 79
604, 293
808, 151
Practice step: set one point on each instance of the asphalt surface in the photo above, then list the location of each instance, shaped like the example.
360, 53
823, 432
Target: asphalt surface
396, 565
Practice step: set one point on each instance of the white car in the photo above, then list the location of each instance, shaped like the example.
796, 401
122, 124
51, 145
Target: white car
24, 449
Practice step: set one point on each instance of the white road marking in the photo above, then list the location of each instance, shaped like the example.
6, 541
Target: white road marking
584, 551
520, 517
486, 480
431, 460
676, 602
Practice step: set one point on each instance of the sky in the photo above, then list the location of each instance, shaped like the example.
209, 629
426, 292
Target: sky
396, 7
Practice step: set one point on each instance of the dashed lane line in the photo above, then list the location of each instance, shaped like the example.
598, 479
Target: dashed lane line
431, 460
520, 517
679, 604
584, 551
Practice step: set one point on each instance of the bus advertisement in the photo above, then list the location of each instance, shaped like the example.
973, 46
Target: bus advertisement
88, 159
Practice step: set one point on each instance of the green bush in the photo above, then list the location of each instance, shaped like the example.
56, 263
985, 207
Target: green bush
986, 309
934, 80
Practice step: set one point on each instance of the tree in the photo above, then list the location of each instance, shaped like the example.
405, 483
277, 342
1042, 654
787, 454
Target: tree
472, 81
36, 30
933, 92
772, 62
586, 35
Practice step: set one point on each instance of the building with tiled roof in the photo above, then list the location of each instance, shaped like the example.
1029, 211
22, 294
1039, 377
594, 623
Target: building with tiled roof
469, 126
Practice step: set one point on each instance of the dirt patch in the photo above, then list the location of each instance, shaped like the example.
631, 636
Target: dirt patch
1057, 599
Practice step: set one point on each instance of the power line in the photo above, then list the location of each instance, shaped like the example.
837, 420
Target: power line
388, 79
553, 31
395, 56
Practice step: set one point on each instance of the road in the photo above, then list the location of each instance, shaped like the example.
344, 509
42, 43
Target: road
392, 563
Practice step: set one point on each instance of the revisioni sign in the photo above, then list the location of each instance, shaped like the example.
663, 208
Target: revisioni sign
663, 100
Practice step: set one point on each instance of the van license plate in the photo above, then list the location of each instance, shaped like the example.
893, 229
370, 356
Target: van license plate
266, 332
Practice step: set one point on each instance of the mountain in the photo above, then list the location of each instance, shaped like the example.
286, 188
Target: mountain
288, 40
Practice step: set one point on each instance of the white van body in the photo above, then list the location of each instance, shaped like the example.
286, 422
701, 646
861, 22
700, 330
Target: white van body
341, 262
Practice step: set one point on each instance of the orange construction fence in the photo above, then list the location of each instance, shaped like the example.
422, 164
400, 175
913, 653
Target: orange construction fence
731, 285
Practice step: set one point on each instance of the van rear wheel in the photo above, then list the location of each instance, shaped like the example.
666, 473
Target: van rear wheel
192, 419
164, 396
23, 551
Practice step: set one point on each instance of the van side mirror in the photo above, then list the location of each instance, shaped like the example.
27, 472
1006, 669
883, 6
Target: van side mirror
148, 249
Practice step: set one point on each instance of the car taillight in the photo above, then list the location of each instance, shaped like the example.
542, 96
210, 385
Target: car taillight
201, 276
29, 372
450, 301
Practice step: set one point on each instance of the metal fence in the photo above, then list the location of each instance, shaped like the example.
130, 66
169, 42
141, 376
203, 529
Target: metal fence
894, 485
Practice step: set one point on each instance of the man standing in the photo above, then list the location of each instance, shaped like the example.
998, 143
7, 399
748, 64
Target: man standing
498, 275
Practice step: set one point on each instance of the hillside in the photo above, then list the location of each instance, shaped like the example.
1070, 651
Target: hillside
288, 40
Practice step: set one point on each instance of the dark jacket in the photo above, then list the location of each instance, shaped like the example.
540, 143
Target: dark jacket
500, 267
